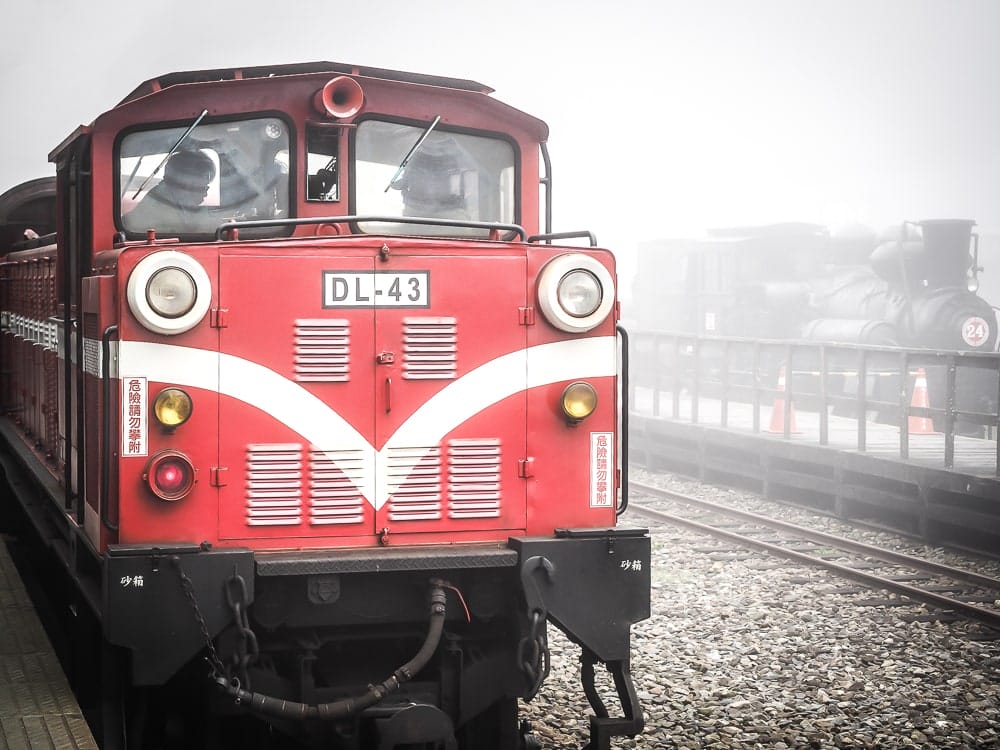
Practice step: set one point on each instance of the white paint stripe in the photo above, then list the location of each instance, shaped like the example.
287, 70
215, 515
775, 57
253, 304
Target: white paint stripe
321, 426
253, 384
499, 378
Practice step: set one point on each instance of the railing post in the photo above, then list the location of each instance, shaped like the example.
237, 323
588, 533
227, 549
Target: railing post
904, 405
996, 426
949, 414
756, 387
862, 400
724, 378
786, 428
657, 342
696, 373
824, 417
678, 378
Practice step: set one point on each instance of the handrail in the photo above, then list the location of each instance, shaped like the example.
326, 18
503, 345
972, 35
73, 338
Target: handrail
497, 227
623, 400
104, 499
583, 233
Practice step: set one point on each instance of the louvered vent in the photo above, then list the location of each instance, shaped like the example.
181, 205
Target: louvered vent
430, 348
333, 487
322, 351
474, 478
419, 497
274, 485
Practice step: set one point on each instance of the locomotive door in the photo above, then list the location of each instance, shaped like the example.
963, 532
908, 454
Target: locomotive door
450, 395
296, 415
362, 397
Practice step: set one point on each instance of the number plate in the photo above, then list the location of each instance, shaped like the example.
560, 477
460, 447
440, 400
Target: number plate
376, 289
975, 331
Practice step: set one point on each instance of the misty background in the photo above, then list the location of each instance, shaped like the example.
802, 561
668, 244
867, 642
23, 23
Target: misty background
666, 117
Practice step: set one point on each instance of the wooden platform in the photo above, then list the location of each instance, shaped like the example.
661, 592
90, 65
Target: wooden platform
37, 707
871, 471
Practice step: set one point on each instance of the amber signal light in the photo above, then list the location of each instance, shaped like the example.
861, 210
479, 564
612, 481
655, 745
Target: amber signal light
172, 407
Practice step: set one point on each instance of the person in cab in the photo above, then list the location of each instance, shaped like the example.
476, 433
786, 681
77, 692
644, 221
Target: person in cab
175, 204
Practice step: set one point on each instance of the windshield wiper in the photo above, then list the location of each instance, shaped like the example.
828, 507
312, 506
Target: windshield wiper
412, 151
170, 153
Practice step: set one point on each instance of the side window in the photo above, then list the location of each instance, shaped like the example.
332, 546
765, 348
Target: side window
323, 173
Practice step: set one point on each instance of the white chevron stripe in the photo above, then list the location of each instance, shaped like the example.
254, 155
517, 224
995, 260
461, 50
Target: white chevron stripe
319, 425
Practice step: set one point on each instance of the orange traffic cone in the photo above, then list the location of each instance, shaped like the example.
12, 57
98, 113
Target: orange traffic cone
920, 425
778, 410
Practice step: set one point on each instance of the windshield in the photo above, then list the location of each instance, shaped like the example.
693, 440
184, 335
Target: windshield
448, 176
190, 184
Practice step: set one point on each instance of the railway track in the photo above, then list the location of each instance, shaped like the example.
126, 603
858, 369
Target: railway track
953, 590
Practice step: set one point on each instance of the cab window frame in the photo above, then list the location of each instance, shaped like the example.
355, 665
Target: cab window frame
288, 184
420, 126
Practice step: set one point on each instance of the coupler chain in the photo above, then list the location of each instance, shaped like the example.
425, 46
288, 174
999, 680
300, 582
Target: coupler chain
533, 649
247, 649
533, 653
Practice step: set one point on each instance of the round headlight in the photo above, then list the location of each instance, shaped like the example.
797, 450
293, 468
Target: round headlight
579, 293
576, 293
579, 401
169, 292
172, 407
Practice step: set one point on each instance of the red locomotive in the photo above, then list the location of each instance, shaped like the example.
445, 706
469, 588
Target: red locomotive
294, 383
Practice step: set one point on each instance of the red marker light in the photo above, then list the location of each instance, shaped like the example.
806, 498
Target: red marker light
170, 475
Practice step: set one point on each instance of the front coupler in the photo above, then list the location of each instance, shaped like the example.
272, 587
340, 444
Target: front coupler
593, 584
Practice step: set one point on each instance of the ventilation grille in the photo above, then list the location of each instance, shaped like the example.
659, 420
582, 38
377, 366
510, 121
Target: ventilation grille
276, 494
281, 492
334, 478
474, 478
274, 485
430, 348
419, 499
322, 351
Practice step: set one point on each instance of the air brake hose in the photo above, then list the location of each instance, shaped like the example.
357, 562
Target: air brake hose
284, 709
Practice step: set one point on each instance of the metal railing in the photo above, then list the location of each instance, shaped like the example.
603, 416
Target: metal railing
958, 391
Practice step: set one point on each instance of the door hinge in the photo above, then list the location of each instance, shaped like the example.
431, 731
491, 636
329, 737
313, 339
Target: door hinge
218, 476
526, 316
219, 317
526, 467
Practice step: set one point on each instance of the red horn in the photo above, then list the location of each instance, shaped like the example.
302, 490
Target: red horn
341, 97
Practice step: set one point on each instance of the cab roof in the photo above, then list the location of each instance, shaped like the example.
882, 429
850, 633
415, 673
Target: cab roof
267, 71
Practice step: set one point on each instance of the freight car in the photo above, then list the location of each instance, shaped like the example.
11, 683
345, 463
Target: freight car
912, 285
315, 414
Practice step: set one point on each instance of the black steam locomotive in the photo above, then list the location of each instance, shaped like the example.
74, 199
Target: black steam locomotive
913, 285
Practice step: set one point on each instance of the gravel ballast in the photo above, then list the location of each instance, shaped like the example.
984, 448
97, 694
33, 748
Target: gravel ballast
746, 651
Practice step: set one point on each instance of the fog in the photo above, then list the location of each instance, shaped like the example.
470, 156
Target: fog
666, 117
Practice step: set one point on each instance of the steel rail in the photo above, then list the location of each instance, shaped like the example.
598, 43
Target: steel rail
985, 616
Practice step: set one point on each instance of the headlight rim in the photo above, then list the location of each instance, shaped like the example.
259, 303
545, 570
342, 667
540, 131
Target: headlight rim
549, 280
138, 283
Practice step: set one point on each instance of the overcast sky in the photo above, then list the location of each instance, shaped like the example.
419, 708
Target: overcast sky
665, 116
